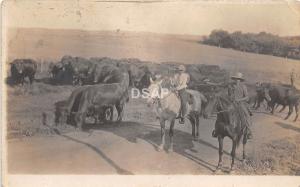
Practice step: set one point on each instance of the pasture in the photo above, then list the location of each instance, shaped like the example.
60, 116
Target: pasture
130, 147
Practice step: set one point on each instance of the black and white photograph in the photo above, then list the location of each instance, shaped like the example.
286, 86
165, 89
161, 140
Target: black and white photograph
151, 87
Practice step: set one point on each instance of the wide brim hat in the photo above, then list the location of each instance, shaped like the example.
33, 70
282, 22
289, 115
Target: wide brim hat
238, 75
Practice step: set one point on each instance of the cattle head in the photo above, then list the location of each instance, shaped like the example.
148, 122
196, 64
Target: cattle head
19, 67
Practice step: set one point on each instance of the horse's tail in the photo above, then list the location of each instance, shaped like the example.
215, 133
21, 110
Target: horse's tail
198, 100
239, 137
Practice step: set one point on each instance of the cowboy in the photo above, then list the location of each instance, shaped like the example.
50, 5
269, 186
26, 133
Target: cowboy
293, 77
239, 94
181, 84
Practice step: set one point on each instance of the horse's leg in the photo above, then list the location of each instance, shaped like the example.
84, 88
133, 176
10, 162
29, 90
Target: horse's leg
162, 128
254, 104
244, 146
193, 121
220, 140
297, 112
233, 153
290, 111
171, 134
197, 126
257, 103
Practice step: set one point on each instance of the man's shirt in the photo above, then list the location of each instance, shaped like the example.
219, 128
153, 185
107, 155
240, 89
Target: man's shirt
182, 81
238, 91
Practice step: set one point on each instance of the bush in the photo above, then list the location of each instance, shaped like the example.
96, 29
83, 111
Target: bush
262, 43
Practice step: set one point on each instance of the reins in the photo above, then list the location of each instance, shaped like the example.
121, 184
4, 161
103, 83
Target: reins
224, 110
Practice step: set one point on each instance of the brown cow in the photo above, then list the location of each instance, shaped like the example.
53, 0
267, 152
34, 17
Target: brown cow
103, 96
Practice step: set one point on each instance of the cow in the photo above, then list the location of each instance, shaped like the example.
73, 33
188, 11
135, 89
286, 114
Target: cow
285, 96
98, 111
80, 67
262, 94
54, 69
106, 73
22, 68
293, 101
103, 96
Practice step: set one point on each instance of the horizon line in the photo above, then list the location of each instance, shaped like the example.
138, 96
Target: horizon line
150, 32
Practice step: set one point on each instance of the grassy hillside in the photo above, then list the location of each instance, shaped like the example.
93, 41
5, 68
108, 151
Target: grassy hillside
46, 44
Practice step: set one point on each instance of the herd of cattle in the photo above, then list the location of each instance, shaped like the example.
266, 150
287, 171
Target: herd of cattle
108, 81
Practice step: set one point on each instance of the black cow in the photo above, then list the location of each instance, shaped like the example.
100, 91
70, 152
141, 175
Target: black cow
21, 68
80, 67
293, 101
285, 96
100, 73
54, 69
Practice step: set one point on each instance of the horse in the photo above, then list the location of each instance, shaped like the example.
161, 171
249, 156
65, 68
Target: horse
230, 123
167, 105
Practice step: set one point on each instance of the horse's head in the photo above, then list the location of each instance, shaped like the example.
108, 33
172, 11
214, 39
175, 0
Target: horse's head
211, 105
217, 102
154, 91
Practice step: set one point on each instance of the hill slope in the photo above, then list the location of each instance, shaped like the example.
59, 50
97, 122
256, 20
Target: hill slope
47, 44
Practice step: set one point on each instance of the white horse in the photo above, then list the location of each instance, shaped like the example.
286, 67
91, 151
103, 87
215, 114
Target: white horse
167, 105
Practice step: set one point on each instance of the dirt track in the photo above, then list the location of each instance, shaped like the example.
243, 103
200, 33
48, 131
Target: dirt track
130, 147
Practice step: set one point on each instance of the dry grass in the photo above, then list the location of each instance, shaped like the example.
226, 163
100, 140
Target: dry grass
279, 157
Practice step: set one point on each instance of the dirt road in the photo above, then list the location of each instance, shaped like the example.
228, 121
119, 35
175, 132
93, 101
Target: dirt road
130, 147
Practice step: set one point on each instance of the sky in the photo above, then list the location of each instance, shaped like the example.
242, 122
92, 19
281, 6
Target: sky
174, 17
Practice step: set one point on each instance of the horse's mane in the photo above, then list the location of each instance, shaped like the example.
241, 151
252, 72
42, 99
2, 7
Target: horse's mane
225, 99
167, 82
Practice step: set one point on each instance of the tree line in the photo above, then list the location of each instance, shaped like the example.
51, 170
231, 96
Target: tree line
262, 43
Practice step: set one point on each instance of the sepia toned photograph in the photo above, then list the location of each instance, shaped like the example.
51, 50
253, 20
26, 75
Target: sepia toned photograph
151, 87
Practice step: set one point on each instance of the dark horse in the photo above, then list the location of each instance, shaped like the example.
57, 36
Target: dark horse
230, 122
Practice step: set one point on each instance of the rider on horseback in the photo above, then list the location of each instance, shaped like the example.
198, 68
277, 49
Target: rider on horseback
182, 79
239, 94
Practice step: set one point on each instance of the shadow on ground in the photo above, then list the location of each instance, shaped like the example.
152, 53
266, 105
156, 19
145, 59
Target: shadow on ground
288, 126
131, 131
118, 169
